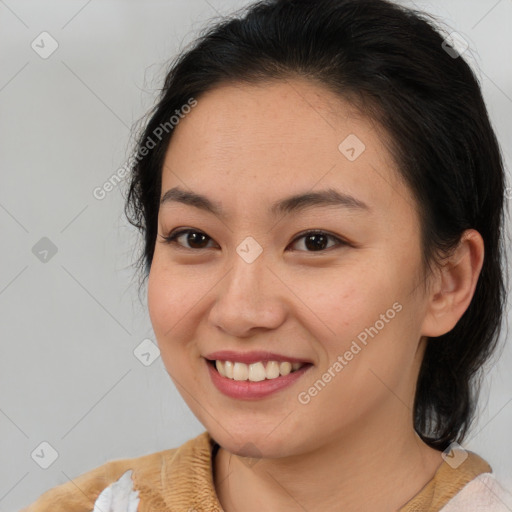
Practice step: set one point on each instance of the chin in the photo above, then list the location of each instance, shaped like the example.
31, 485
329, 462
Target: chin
254, 445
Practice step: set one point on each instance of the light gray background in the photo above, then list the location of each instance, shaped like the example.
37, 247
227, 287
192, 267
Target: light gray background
69, 327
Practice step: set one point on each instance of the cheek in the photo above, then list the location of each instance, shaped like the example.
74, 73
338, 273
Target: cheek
158, 299
168, 302
171, 293
342, 302
176, 299
165, 309
360, 316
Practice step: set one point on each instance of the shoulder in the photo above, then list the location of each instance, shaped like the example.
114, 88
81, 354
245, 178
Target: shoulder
482, 493
81, 493
462, 483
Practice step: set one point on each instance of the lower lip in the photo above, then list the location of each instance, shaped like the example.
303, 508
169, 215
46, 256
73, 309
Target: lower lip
248, 390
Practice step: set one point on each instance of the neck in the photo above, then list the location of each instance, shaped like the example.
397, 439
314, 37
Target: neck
353, 471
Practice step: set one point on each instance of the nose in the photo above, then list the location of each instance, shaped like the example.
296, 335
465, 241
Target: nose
249, 298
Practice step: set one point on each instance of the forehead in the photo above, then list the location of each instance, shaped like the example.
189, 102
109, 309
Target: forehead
259, 143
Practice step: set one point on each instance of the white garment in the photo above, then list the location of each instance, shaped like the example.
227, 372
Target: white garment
482, 494
118, 496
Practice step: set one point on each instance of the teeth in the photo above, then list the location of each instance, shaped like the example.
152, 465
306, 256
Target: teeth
255, 372
240, 371
220, 367
272, 370
285, 368
228, 369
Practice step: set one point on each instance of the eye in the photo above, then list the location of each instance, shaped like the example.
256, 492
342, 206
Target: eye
315, 240
194, 237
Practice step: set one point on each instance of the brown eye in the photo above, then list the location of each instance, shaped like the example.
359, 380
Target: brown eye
195, 239
316, 241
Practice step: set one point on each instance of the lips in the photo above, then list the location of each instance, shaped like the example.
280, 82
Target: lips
253, 375
248, 390
254, 366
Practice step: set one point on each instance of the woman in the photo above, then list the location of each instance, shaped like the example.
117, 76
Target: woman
321, 196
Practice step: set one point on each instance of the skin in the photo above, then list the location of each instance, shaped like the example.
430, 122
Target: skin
353, 446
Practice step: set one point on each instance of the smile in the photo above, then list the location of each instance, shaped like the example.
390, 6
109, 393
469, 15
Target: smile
254, 375
256, 372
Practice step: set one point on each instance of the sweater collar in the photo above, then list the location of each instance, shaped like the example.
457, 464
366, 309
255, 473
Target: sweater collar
189, 473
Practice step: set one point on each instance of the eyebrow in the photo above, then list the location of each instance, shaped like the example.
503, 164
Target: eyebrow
291, 204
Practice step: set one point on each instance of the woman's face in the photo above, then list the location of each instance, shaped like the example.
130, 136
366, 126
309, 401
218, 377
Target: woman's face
346, 301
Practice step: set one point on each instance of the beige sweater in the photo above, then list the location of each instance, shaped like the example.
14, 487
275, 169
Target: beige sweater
181, 480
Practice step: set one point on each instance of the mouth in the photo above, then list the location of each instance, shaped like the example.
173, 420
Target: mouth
257, 371
254, 375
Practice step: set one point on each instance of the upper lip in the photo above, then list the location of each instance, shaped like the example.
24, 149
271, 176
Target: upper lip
252, 357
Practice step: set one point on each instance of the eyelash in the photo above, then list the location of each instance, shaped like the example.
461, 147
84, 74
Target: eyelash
171, 238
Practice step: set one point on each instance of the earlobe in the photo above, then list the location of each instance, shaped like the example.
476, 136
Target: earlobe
454, 285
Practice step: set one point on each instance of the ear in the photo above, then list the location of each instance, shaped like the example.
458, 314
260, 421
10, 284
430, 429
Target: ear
454, 285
